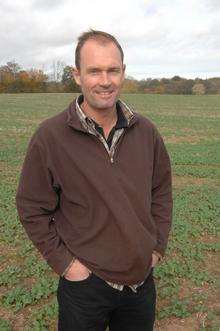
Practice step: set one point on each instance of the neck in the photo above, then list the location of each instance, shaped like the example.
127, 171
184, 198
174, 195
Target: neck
104, 117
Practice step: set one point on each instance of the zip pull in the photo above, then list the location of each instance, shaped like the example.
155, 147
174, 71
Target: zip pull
111, 159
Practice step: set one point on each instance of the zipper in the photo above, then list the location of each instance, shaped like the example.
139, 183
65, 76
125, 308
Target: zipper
111, 151
104, 143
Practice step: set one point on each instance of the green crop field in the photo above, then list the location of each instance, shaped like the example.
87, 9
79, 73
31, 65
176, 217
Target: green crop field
188, 279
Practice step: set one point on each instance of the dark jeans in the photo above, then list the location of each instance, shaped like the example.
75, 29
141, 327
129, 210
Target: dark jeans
92, 305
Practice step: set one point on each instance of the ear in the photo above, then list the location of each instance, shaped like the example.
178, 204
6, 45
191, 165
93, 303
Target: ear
76, 75
123, 70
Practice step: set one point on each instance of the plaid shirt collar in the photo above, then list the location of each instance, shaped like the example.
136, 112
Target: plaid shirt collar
125, 114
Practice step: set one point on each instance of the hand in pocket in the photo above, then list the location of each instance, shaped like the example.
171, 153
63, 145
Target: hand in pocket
155, 260
77, 272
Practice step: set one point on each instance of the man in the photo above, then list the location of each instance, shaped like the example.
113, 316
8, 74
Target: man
95, 198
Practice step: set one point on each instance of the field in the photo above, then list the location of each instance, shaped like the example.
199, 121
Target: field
188, 279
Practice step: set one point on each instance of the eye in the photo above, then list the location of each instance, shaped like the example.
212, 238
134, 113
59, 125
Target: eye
115, 70
94, 71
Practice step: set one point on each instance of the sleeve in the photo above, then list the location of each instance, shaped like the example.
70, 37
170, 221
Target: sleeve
36, 202
162, 203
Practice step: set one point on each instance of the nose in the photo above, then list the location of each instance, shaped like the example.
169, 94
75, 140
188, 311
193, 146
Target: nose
104, 79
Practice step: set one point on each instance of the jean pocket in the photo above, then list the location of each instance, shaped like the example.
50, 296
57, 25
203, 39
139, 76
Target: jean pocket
80, 281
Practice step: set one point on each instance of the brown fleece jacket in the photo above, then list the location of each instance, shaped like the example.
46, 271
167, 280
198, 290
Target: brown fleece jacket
75, 202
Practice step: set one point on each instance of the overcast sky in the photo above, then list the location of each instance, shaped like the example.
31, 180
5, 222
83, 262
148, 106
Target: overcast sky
160, 38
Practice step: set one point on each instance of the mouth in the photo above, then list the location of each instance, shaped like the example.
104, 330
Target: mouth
105, 94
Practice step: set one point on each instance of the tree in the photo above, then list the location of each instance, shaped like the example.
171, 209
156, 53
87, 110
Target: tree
176, 78
9, 76
37, 80
130, 85
58, 67
68, 80
212, 85
198, 89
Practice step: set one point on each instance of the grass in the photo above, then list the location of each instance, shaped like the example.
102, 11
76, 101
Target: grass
187, 280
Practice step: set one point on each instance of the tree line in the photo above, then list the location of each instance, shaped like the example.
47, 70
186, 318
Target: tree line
14, 79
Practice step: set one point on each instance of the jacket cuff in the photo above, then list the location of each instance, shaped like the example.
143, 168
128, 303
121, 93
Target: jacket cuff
59, 260
160, 249
68, 267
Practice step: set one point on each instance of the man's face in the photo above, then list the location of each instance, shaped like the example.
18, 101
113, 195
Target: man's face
101, 74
